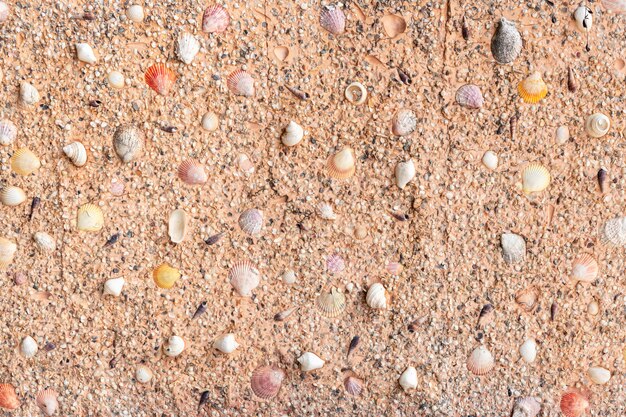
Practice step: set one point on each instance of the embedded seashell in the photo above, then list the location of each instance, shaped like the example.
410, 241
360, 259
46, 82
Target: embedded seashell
377, 297
192, 172
116, 79
28, 347
28, 94
25, 162
331, 303
226, 343
7, 252
283, 315
356, 93
89, 218
405, 172
597, 125
174, 346
215, 19
245, 164
480, 361
562, 135
44, 241
526, 407
160, 78
393, 25
527, 299
598, 375
574, 403
12, 196
408, 379
513, 247
135, 13
293, 134
615, 6
128, 142
335, 264
177, 226
77, 153
333, 20
4, 12
240, 83
251, 221
533, 88
114, 286
85, 54
187, 47
585, 268
143, 374
395, 268
210, 121
535, 178
342, 164
583, 18
165, 276
469, 96
593, 308
353, 385
310, 362
244, 277
8, 397
47, 401
8, 132
404, 122
506, 43
266, 381
490, 160
614, 232
528, 350
281, 52
289, 277
326, 211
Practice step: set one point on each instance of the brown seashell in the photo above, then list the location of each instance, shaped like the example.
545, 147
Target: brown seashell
47, 401
486, 315
393, 25
266, 381
192, 172
215, 19
240, 83
342, 165
8, 397
128, 142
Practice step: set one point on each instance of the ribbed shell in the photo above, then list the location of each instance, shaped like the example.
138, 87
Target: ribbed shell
8, 397
89, 218
574, 403
47, 401
333, 20
526, 407
76, 153
251, 221
377, 296
506, 43
480, 361
160, 78
128, 142
469, 96
240, 83
404, 122
342, 165
25, 162
12, 196
353, 385
215, 19
44, 241
266, 381
244, 277
585, 268
192, 172
331, 303
613, 232
535, 178
513, 247
7, 252
187, 47
533, 88
8, 132
165, 276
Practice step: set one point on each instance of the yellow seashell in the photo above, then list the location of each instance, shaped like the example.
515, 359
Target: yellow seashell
342, 164
532, 89
535, 178
89, 218
25, 162
165, 276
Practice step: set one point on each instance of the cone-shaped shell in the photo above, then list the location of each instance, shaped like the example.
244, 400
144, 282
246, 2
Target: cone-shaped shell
244, 277
192, 172
174, 346
469, 96
47, 401
408, 379
76, 153
128, 142
12, 196
356, 93
528, 350
506, 43
513, 247
480, 361
85, 54
293, 134
226, 343
331, 303
598, 375
526, 407
160, 78
7, 252
215, 19
25, 162
251, 221
177, 226
353, 385
240, 83
28, 94
44, 241
377, 297
165, 276
114, 286
533, 88
333, 20
585, 268
574, 403
8, 397
613, 232
405, 172
8, 132
187, 47
404, 122
90, 218
143, 374
342, 165
597, 125
535, 178
266, 381
310, 362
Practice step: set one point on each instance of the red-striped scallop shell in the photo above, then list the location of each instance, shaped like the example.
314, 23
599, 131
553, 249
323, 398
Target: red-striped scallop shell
8, 397
333, 20
160, 78
266, 381
244, 277
585, 268
574, 403
251, 221
47, 401
192, 172
241, 83
215, 19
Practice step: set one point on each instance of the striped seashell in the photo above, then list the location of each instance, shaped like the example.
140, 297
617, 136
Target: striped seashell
613, 232
480, 361
12, 196
8, 132
331, 303
574, 403
128, 142
192, 172
353, 385
404, 122
513, 247
469, 96
266, 381
160, 78
240, 83
615, 6
187, 47
25, 162
585, 268
535, 178
526, 407
89, 218
533, 88
333, 20
165, 276
215, 19
45, 242
597, 125
506, 43
342, 165
8, 397
7, 252
47, 401
28, 94
244, 277
377, 297
251, 221
77, 153
527, 299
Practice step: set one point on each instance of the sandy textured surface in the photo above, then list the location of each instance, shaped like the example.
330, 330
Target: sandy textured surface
450, 245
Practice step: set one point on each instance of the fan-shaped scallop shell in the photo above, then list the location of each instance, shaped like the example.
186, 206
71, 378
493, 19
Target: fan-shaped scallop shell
160, 78
613, 232
597, 125
240, 83
165, 276
192, 172
333, 20
187, 47
585, 268
513, 247
215, 19
251, 221
244, 277
342, 165
8, 397
533, 88
128, 142
12, 196
393, 25
356, 93
266, 381
377, 297
25, 162
177, 226
535, 178
526, 407
8, 132
574, 403
331, 303
7, 252
47, 401
76, 153
89, 218
353, 385
404, 122
506, 43
480, 361
469, 96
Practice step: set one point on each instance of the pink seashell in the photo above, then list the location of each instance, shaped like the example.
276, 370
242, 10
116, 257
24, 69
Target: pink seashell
192, 172
117, 188
244, 277
574, 403
333, 20
353, 385
394, 268
251, 221
20, 278
8, 132
240, 83
215, 19
47, 401
526, 407
469, 96
335, 264
266, 381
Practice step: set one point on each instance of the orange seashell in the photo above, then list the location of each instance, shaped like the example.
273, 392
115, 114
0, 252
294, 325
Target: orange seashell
192, 172
532, 89
240, 83
8, 397
574, 403
160, 78
341, 165
266, 381
585, 268
47, 401
215, 19
353, 385
244, 277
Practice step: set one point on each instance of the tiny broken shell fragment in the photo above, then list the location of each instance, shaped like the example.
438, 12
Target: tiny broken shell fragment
356, 93
89, 218
165, 276
408, 379
114, 286
405, 172
513, 247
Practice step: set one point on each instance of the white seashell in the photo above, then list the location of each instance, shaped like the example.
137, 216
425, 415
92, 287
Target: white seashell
210, 121
12, 196
405, 172
174, 346
116, 79
187, 48
8, 132
143, 374
593, 308
326, 211
528, 350
377, 296
293, 134
356, 93
45, 242
28, 93
77, 153
408, 379
289, 277
614, 232
28, 347
4, 12
490, 160
598, 375
513, 247
562, 135
226, 343
85, 53
526, 407
310, 362
597, 125
177, 226
583, 18
404, 122
480, 361
135, 13
114, 286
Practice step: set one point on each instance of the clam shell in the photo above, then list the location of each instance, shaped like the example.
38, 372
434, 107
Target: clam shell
533, 88
187, 47
240, 83
281, 52
356, 93
331, 303
289, 277
7, 252
128, 142
585, 268
377, 297
408, 379
210, 121
310, 362
583, 17
526, 407
574, 403
615, 6
598, 375
528, 350
143, 374
174, 346
562, 135
8, 132
535, 178
342, 165
404, 122
244, 277
353, 385
89, 218
47, 401
480, 361
527, 299
165, 276
597, 125
251, 221
293, 134
8, 397
84, 53
215, 19
192, 172
28, 347
513, 247
135, 13
490, 160
44, 241
116, 79
469, 96
77, 153
28, 94
393, 25
333, 20
405, 172
160, 78
506, 43
12, 196
114, 286
266, 381
613, 232
177, 226
24, 162
226, 343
